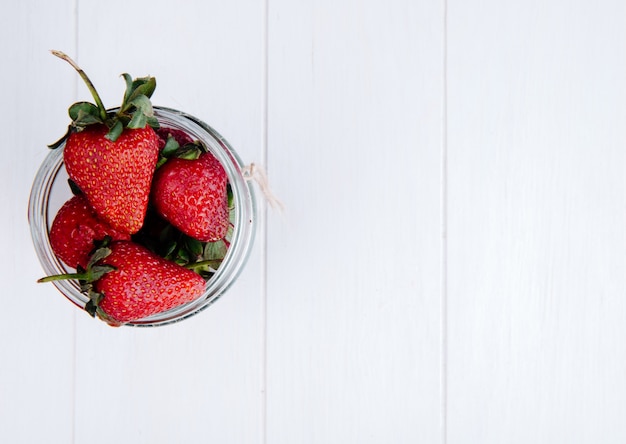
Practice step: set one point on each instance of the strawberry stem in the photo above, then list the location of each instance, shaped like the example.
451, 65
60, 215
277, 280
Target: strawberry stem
92, 89
64, 277
92, 274
211, 263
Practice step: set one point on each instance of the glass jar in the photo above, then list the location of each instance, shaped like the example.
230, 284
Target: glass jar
50, 191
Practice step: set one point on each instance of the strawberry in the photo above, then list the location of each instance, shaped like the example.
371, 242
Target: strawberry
126, 282
75, 229
143, 284
114, 176
191, 194
111, 156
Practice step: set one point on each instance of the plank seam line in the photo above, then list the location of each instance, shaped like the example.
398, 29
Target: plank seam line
444, 230
264, 234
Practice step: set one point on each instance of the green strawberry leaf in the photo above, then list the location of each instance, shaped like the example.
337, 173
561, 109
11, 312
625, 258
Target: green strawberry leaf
169, 150
83, 120
189, 151
214, 250
140, 86
98, 255
138, 120
143, 104
171, 145
193, 246
91, 308
94, 301
169, 248
183, 255
81, 111
85, 286
115, 131
153, 122
129, 86
97, 271
201, 146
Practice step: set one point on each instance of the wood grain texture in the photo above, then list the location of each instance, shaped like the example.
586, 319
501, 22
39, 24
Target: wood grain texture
536, 245
353, 263
449, 266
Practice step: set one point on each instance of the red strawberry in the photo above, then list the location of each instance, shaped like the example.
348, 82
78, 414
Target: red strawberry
143, 284
126, 282
112, 155
192, 196
74, 230
114, 176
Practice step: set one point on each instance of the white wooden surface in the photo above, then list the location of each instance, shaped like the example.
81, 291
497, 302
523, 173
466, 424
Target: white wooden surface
450, 264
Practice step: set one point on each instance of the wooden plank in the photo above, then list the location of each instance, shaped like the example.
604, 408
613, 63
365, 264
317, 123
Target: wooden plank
354, 152
197, 381
536, 240
36, 322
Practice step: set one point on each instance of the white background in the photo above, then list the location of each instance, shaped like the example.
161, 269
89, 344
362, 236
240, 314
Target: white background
450, 264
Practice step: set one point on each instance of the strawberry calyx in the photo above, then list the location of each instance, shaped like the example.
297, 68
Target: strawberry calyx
135, 112
168, 242
88, 276
173, 149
